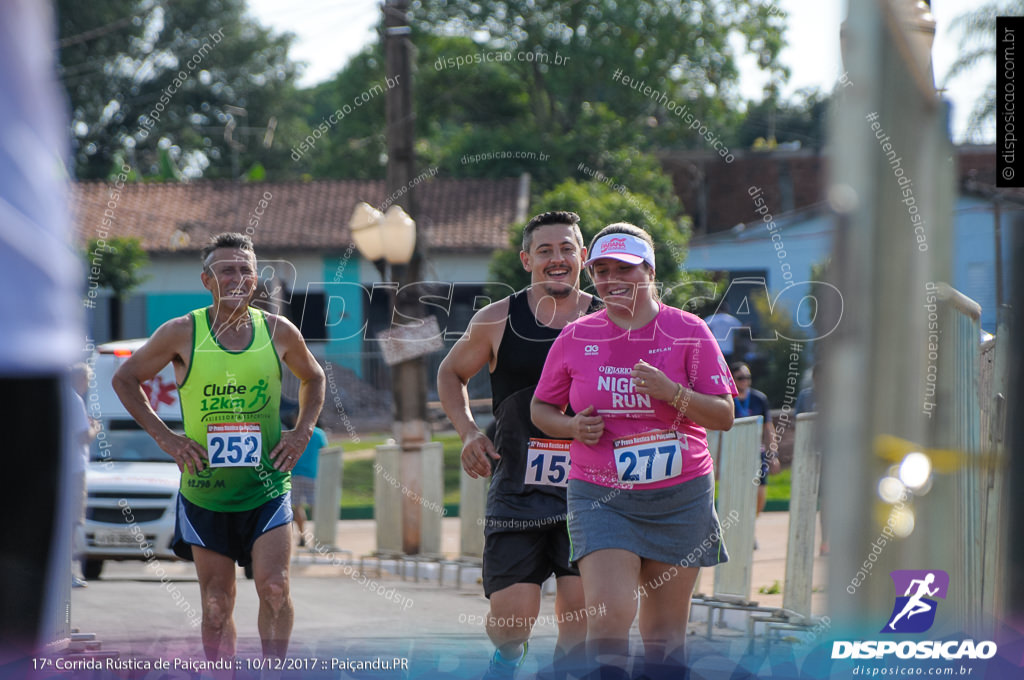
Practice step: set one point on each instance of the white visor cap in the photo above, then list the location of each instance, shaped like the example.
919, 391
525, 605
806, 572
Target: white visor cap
623, 247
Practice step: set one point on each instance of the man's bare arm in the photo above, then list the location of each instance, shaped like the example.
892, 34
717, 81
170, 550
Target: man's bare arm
167, 343
296, 356
475, 350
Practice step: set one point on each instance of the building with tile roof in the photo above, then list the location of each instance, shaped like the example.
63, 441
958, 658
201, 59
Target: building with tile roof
463, 216
307, 259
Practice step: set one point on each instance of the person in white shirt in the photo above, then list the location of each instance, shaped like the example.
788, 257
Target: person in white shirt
722, 323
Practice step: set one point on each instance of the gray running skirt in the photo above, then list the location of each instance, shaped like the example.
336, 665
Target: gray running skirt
676, 524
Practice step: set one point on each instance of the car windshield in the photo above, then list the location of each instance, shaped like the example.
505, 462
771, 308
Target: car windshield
127, 445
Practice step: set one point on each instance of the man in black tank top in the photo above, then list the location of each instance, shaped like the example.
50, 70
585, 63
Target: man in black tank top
525, 534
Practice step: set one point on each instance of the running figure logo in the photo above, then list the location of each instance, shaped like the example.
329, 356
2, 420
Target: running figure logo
914, 611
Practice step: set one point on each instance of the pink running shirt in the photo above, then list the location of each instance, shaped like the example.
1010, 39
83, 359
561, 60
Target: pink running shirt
590, 363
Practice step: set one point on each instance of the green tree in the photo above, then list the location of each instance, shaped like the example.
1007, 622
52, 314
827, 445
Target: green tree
121, 62
578, 49
468, 119
802, 120
116, 265
599, 205
978, 45
476, 109
773, 366
355, 147
473, 103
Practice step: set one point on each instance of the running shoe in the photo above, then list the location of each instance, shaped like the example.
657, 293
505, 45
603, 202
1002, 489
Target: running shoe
500, 669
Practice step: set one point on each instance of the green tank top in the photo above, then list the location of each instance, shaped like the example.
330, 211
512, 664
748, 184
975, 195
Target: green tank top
230, 405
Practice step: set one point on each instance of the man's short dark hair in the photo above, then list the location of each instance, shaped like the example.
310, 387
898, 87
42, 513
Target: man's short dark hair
552, 217
227, 239
735, 366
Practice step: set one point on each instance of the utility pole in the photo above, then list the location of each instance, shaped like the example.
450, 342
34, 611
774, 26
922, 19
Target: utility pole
409, 378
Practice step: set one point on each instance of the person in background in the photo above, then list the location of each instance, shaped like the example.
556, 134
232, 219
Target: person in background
806, 401
304, 475
751, 402
235, 460
722, 323
646, 381
525, 537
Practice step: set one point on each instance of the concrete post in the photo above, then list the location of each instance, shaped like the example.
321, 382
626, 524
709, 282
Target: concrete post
432, 497
404, 480
472, 508
387, 498
328, 495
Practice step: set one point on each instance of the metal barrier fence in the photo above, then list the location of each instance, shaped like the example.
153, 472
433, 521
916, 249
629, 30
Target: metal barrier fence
803, 513
902, 368
976, 477
739, 461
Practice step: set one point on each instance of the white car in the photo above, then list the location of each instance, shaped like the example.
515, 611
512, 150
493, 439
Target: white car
132, 485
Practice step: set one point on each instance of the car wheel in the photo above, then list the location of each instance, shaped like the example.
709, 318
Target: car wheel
91, 569
248, 570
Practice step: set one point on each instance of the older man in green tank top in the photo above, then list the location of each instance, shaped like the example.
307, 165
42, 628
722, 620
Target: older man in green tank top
234, 501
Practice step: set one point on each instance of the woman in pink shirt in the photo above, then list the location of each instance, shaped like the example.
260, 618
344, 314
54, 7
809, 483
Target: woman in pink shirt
644, 380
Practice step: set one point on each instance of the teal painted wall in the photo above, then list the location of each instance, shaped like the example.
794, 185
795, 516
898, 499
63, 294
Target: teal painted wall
161, 307
345, 308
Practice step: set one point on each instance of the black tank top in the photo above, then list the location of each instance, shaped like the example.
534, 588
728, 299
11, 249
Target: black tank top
521, 354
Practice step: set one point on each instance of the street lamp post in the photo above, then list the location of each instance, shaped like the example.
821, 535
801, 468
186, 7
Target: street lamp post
390, 239
389, 236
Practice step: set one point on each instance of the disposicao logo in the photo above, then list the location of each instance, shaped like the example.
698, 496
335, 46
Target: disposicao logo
914, 611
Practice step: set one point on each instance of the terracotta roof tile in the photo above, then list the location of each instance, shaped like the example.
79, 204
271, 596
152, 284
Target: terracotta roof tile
454, 215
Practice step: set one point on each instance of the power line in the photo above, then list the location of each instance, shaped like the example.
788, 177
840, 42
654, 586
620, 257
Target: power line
97, 32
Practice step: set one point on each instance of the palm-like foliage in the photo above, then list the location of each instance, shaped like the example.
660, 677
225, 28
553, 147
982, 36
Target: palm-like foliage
977, 45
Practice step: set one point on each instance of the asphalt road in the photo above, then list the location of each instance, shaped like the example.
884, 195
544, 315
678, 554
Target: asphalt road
343, 617
426, 631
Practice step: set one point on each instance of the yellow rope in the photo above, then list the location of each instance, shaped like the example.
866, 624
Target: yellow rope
945, 461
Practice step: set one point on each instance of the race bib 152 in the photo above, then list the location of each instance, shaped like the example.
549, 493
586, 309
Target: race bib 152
547, 462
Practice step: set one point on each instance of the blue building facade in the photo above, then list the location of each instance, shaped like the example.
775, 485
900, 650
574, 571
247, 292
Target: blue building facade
783, 252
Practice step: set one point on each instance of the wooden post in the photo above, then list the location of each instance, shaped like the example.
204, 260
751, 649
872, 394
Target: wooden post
409, 378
